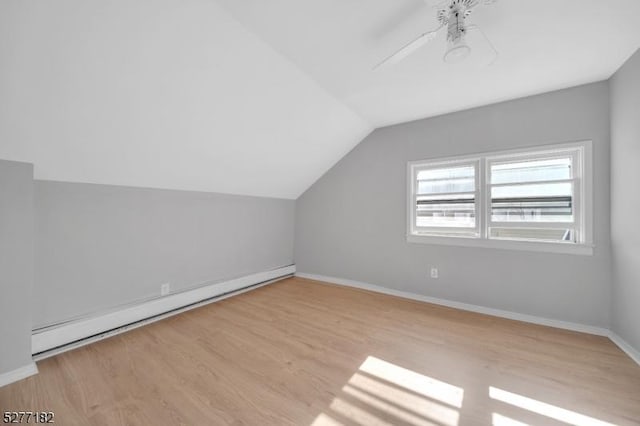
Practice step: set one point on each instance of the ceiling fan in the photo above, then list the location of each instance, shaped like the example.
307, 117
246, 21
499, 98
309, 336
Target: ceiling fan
451, 14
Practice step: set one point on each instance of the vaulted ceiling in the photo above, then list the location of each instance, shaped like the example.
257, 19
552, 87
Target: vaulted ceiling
542, 45
161, 93
262, 97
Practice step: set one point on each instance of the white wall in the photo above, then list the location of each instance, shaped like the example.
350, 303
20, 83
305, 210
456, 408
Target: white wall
16, 265
352, 222
171, 94
625, 200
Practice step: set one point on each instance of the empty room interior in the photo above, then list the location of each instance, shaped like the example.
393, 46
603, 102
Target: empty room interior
321, 213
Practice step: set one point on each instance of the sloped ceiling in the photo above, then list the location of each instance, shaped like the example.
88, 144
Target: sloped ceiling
161, 93
262, 97
543, 45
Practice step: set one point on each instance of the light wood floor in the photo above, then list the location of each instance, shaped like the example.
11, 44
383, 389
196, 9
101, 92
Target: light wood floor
300, 352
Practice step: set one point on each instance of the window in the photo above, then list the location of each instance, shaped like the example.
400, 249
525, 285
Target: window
446, 199
516, 199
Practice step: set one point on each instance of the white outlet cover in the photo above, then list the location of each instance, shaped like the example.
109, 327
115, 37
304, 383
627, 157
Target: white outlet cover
434, 272
164, 289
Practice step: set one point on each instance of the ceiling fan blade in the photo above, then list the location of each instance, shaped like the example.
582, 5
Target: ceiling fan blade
408, 49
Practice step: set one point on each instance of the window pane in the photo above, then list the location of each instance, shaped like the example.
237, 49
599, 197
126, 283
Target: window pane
454, 211
446, 180
551, 202
538, 234
447, 173
532, 171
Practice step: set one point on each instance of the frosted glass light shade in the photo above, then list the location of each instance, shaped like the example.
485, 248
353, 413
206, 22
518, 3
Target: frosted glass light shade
457, 51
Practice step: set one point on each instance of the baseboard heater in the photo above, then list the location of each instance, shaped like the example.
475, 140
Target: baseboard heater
55, 339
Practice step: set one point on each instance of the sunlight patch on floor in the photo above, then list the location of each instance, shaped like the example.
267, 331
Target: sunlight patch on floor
396, 411
500, 420
404, 399
416, 382
545, 409
356, 414
382, 393
325, 420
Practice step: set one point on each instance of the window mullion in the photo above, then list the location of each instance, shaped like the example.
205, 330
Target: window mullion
483, 206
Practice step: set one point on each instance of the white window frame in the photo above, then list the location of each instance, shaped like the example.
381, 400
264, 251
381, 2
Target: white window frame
418, 166
582, 201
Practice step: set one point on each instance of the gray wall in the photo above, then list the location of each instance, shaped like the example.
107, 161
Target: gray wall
16, 264
100, 246
625, 200
352, 222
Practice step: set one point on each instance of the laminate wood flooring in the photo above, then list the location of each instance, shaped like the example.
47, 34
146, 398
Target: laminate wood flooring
301, 352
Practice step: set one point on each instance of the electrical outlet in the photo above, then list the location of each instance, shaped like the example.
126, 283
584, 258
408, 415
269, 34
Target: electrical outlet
434, 272
164, 289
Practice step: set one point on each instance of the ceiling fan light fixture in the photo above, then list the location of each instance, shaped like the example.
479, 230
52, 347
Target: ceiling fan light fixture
452, 15
457, 47
457, 51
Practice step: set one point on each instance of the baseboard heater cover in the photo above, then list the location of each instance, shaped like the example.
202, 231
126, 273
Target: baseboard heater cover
69, 335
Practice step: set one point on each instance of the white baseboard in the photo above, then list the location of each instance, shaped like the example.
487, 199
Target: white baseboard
627, 348
599, 331
56, 339
18, 374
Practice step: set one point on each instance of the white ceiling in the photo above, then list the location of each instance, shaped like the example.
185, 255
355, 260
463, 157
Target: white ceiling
262, 97
544, 45
161, 93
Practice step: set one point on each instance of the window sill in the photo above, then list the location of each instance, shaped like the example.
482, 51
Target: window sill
540, 246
